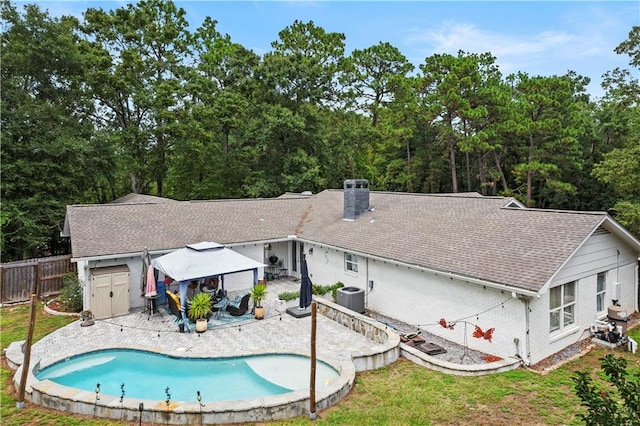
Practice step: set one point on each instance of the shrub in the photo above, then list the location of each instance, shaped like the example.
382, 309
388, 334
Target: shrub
615, 405
71, 294
289, 295
334, 290
317, 289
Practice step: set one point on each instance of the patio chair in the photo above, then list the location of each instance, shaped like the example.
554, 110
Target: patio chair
173, 301
240, 305
220, 306
210, 285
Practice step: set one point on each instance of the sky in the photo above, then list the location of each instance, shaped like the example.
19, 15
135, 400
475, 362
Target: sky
540, 38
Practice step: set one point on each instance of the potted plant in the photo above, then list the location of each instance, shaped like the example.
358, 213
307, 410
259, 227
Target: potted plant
200, 310
258, 293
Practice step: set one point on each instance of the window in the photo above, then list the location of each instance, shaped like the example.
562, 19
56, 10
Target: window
350, 262
562, 303
601, 291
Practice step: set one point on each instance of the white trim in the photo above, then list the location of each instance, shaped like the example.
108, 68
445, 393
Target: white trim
560, 309
602, 292
564, 333
353, 261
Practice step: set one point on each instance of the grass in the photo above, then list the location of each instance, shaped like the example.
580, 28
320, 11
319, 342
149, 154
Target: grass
400, 394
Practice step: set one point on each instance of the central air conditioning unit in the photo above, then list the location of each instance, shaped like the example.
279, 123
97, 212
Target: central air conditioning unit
351, 298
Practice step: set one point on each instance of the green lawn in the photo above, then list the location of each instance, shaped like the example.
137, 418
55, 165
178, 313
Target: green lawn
400, 394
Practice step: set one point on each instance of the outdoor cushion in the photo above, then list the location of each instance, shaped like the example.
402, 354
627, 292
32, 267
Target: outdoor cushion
236, 302
240, 305
175, 298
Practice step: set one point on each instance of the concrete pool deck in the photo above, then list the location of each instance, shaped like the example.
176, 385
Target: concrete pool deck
371, 346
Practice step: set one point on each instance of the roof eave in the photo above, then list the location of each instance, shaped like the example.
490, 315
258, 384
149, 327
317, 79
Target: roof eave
452, 275
610, 225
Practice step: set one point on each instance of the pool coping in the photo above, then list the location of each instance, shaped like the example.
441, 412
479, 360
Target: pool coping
278, 407
387, 349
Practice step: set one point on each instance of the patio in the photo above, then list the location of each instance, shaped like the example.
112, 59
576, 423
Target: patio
337, 344
348, 341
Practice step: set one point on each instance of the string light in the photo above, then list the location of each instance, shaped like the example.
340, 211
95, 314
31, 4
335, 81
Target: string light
244, 322
477, 315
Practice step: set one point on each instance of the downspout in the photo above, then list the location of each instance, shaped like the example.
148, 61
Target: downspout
527, 321
366, 283
84, 276
638, 285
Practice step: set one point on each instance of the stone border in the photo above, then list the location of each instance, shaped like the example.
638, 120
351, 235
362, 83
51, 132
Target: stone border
392, 348
388, 351
279, 407
14, 354
418, 357
50, 311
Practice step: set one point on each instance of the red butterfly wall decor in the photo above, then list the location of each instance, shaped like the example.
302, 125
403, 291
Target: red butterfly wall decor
444, 324
487, 335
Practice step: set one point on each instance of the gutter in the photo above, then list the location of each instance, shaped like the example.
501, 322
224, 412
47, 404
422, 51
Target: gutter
165, 251
452, 275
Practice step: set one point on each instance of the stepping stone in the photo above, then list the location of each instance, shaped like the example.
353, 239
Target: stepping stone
431, 348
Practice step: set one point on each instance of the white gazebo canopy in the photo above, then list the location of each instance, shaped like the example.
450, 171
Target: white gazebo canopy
201, 260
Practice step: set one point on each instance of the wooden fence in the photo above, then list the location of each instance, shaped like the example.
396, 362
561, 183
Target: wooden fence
42, 276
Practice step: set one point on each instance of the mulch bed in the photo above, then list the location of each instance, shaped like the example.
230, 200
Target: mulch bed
58, 306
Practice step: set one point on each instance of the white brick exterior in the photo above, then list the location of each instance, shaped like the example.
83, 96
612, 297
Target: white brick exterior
422, 298
602, 252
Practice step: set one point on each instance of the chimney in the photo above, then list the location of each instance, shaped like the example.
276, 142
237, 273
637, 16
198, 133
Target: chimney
356, 197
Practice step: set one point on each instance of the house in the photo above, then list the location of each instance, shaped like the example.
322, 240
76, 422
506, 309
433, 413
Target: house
486, 271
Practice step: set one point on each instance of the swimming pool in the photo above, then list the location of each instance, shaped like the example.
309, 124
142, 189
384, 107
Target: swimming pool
141, 374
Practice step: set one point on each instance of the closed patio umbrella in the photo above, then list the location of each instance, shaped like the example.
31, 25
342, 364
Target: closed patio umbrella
151, 282
146, 261
305, 285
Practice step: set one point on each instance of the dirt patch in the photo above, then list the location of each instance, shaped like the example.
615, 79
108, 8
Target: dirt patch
566, 353
575, 349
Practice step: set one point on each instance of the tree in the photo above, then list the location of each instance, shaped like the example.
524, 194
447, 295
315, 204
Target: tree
298, 80
211, 160
47, 159
374, 75
619, 405
451, 88
543, 118
304, 65
138, 55
620, 124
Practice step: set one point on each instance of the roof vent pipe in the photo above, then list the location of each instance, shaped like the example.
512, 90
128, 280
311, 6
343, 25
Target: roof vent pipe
356, 197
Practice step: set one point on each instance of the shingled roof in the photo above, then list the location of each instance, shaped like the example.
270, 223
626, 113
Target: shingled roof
466, 234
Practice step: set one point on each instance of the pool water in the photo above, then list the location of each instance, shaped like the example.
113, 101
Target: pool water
146, 375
